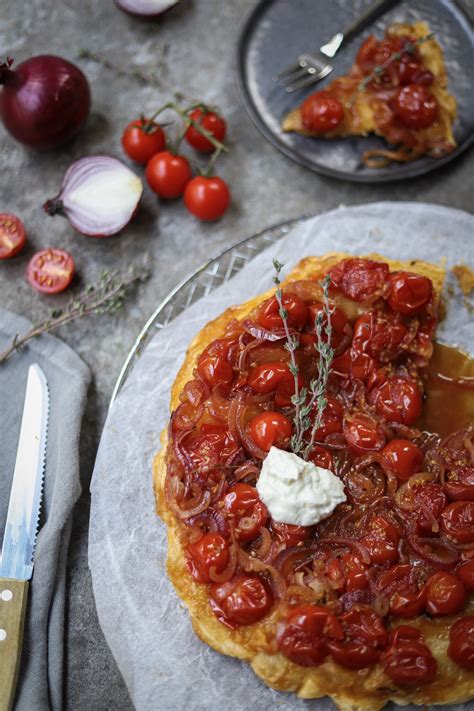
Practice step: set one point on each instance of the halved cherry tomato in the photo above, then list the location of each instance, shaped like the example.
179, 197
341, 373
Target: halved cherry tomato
459, 484
142, 139
362, 433
403, 457
270, 429
210, 446
207, 198
409, 293
445, 594
212, 123
269, 312
321, 457
168, 174
406, 596
290, 534
465, 573
213, 365
209, 552
241, 601
415, 106
461, 642
321, 112
12, 235
303, 637
379, 335
398, 400
337, 319
248, 510
429, 501
50, 271
407, 660
360, 279
353, 655
457, 521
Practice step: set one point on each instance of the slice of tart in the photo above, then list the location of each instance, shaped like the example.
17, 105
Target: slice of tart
397, 89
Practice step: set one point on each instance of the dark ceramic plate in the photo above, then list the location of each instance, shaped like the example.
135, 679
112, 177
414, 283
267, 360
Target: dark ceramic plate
277, 31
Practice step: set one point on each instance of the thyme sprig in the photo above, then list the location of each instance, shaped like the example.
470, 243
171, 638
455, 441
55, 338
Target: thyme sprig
379, 69
304, 405
107, 296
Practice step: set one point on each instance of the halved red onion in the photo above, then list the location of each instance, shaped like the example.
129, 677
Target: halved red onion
145, 8
99, 195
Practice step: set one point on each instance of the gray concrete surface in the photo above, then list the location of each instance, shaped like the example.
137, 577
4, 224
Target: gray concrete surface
191, 49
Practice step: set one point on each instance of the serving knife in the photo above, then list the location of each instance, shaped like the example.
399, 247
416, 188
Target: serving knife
16, 563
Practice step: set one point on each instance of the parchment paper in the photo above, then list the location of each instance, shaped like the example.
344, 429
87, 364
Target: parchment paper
164, 664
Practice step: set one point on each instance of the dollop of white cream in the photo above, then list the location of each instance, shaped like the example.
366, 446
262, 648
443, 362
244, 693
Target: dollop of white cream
298, 492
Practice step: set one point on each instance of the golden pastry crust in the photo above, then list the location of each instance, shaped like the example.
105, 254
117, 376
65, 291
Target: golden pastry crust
367, 689
360, 121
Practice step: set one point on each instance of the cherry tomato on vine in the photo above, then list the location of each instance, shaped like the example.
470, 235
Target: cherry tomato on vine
321, 112
398, 400
142, 139
296, 309
403, 457
409, 293
209, 552
270, 429
249, 511
303, 637
168, 174
445, 594
207, 198
407, 660
461, 642
12, 235
241, 601
362, 433
50, 271
415, 106
212, 123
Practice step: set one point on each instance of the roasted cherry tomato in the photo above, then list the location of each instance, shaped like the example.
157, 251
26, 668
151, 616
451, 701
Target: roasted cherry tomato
266, 377
360, 279
356, 365
407, 660
12, 235
465, 573
403, 457
212, 123
303, 637
429, 500
168, 174
321, 112
459, 484
213, 365
461, 642
445, 594
207, 198
409, 293
210, 446
338, 320
405, 594
332, 418
242, 600
270, 429
269, 312
209, 553
362, 433
381, 540
398, 400
415, 106
142, 139
50, 270
364, 624
379, 335
457, 521
353, 655
248, 510
291, 534
321, 457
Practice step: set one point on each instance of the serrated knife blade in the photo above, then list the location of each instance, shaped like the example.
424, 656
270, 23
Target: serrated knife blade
19, 539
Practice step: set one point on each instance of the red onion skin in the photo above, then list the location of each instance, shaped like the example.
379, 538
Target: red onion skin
44, 102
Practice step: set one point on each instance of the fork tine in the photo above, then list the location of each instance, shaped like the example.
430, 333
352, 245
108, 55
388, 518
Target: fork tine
299, 73
313, 77
302, 63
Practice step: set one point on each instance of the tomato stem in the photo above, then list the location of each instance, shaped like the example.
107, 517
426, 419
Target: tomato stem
188, 121
209, 169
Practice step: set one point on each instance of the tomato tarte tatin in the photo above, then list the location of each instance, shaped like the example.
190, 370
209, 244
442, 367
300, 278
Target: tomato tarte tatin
396, 89
375, 602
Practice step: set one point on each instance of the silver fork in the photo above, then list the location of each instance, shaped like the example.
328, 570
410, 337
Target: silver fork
311, 67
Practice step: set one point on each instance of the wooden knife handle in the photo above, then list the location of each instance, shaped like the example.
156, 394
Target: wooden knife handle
13, 597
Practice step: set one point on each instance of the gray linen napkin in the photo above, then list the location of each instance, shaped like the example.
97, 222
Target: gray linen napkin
40, 685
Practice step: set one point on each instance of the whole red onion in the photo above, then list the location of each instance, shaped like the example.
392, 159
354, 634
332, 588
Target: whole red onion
44, 102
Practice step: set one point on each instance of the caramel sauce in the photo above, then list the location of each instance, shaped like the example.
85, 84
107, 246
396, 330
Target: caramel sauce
449, 388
